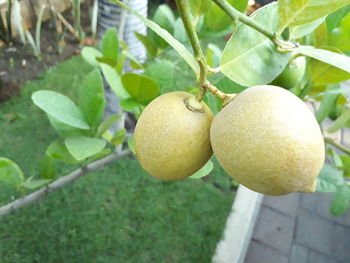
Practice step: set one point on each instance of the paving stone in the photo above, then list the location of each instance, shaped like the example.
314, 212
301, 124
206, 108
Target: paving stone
320, 203
309, 201
323, 206
274, 229
315, 257
341, 241
314, 232
323, 209
260, 253
299, 254
344, 219
286, 204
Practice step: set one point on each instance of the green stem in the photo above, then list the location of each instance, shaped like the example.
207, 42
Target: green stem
235, 14
184, 10
337, 145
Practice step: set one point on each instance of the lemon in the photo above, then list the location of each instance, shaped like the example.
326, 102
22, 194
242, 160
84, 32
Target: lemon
172, 136
268, 140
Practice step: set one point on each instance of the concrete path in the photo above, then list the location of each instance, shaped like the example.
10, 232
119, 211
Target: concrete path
298, 228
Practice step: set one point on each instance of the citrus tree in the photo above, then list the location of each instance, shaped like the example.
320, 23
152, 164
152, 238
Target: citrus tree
249, 106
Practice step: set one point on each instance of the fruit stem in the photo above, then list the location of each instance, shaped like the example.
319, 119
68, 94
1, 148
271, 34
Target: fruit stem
226, 98
236, 15
186, 17
337, 145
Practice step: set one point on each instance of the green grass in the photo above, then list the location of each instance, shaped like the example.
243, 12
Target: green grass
117, 214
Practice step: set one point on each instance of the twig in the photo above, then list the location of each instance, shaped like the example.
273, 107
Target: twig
62, 19
337, 145
226, 98
61, 182
184, 10
235, 14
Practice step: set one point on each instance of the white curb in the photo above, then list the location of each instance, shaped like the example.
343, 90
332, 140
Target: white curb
239, 227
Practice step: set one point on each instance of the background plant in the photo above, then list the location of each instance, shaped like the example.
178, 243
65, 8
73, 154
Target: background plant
6, 24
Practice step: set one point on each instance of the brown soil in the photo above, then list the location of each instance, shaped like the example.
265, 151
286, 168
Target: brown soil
18, 63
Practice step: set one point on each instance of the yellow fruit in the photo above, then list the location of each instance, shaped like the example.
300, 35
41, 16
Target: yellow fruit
172, 139
268, 140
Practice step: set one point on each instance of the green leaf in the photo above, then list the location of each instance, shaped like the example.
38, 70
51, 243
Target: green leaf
118, 137
34, 184
99, 155
298, 12
141, 88
204, 171
296, 32
217, 20
340, 122
333, 20
340, 36
336, 159
322, 73
90, 54
340, 200
213, 55
346, 164
131, 144
63, 129
331, 58
91, 98
225, 84
329, 179
199, 7
106, 61
135, 64
48, 169
181, 49
59, 151
82, 147
328, 103
165, 18
147, 43
336, 91
129, 104
249, 57
212, 102
114, 81
108, 123
180, 31
60, 107
110, 45
107, 136
319, 38
10, 172
163, 73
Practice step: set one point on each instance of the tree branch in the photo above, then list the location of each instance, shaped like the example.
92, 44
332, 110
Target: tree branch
226, 98
61, 182
337, 145
186, 17
235, 14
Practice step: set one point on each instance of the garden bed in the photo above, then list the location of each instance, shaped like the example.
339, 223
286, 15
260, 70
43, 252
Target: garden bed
18, 63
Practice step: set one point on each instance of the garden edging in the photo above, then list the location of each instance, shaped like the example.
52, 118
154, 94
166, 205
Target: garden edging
239, 227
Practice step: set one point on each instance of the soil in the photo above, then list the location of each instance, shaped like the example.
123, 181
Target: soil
19, 65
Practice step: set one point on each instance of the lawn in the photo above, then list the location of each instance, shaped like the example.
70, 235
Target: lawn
117, 214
